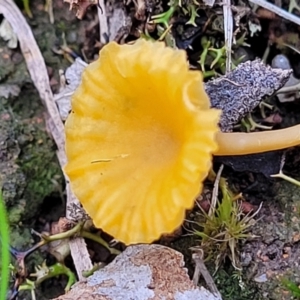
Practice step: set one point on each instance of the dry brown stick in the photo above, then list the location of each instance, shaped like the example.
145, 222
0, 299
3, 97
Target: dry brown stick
277, 10
38, 72
200, 269
214, 197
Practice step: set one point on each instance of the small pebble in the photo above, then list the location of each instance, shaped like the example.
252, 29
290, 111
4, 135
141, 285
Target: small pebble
72, 37
280, 61
261, 278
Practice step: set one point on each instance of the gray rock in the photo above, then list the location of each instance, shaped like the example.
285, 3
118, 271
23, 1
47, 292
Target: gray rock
141, 272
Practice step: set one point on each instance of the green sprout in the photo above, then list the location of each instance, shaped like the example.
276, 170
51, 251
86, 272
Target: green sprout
223, 228
28, 286
4, 239
292, 287
217, 56
48, 8
164, 18
192, 11
250, 125
95, 268
214, 56
44, 272
27, 8
164, 34
287, 178
205, 43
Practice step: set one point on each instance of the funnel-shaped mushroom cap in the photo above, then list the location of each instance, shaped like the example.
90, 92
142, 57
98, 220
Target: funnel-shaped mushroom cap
139, 140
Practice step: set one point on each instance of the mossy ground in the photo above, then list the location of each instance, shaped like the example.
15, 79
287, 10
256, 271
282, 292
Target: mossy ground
29, 168
30, 174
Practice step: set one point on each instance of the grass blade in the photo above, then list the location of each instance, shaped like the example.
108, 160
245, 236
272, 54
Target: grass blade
5, 257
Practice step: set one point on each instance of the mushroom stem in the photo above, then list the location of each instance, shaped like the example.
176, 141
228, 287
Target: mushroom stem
237, 143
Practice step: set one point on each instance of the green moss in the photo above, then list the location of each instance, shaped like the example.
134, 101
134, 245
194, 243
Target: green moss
29, 167
16, 212
232, 287
39, 164
21, 238
7, 67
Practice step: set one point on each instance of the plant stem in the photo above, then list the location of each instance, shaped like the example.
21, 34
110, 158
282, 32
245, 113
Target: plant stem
4, 239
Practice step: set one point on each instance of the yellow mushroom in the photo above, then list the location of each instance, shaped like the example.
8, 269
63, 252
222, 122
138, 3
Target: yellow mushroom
139, 140
238, 143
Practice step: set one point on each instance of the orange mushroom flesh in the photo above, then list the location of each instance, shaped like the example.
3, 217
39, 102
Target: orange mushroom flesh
139, 140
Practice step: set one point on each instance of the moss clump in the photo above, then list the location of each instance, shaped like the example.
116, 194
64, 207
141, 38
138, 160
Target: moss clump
29, 167
39, 164
231, 286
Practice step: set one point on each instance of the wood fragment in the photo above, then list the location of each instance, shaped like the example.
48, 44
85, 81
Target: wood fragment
141, 272
101, 10
228, 32
200, 269
81, 6
214, 197
277, 10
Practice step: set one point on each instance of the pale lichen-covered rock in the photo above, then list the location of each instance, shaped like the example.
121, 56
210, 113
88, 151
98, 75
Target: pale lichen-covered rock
141, 272
72, 81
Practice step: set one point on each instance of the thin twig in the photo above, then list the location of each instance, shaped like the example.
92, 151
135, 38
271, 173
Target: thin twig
102, 22
277, 10
228, 32
200, 269
215, 192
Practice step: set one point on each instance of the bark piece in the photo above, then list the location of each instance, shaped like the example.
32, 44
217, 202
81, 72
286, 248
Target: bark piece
141, 272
